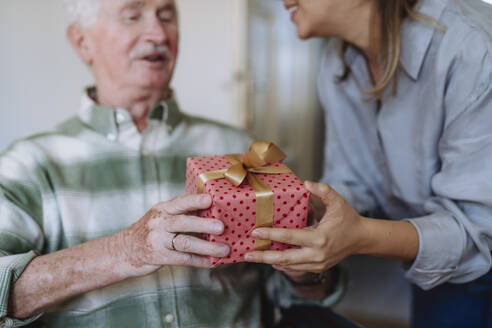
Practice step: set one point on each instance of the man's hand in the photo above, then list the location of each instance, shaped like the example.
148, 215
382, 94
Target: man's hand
138, 250
148, 244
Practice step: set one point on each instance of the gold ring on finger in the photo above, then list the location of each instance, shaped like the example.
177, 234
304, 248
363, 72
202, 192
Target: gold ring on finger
173, 247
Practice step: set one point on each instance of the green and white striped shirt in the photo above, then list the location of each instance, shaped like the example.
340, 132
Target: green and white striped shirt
96, 175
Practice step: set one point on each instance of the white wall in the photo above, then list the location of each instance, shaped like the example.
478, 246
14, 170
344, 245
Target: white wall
41, 78
212, 54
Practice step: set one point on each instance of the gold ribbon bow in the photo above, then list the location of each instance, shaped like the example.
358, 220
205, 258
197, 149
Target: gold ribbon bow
261, 154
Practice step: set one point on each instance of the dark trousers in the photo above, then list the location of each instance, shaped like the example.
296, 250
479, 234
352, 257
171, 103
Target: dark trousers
454, 305
313, 317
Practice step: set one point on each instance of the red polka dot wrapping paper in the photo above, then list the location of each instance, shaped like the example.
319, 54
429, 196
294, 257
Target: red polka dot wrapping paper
236, 206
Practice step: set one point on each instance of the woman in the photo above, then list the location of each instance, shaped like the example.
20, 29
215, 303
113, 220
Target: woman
407, 91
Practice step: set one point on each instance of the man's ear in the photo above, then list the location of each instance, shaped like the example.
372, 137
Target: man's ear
78, 39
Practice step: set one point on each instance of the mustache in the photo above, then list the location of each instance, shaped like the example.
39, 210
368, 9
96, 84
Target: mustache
148, 49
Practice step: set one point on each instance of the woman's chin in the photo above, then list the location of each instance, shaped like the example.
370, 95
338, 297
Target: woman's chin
303, 34
304, 31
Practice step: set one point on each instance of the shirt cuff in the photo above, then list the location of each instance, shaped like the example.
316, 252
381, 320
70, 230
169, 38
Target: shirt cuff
11, 267
440, 246
282, 293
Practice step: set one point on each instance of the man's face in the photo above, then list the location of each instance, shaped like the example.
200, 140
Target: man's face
134, 43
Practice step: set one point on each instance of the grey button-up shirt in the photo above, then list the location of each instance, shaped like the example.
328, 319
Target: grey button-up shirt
424, 155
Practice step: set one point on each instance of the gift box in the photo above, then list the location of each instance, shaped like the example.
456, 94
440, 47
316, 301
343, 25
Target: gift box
248, 191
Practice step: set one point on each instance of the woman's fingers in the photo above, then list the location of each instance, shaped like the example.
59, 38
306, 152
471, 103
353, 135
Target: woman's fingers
322, 191
298, 237
282, 258
305, 267
321, 247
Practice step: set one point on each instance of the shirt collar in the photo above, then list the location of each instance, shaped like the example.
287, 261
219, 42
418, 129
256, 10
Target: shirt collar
108, 121
417, 36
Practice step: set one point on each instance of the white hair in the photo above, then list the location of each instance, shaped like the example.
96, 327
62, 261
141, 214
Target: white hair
83, 12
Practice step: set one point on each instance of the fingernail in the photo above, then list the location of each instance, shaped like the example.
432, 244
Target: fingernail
225, 251
256, 234
249, 257
205, 199
219, 227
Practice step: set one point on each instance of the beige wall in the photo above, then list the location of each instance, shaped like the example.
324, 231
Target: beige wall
213, 42
41, 78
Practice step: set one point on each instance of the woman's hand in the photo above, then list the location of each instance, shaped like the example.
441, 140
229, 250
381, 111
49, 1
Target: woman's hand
338, 235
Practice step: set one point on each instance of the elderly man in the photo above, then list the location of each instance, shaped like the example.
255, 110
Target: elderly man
73, 241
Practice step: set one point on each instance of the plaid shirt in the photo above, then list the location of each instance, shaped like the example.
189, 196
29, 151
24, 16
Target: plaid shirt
96, 175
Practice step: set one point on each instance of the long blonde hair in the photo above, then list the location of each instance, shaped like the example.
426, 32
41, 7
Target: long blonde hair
393, 13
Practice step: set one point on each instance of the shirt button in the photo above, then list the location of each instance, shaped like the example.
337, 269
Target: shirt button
169, 318
120, 118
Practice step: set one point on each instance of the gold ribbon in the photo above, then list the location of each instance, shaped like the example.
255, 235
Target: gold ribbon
261, 153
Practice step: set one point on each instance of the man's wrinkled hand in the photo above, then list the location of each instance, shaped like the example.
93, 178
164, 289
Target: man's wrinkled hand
160, 237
